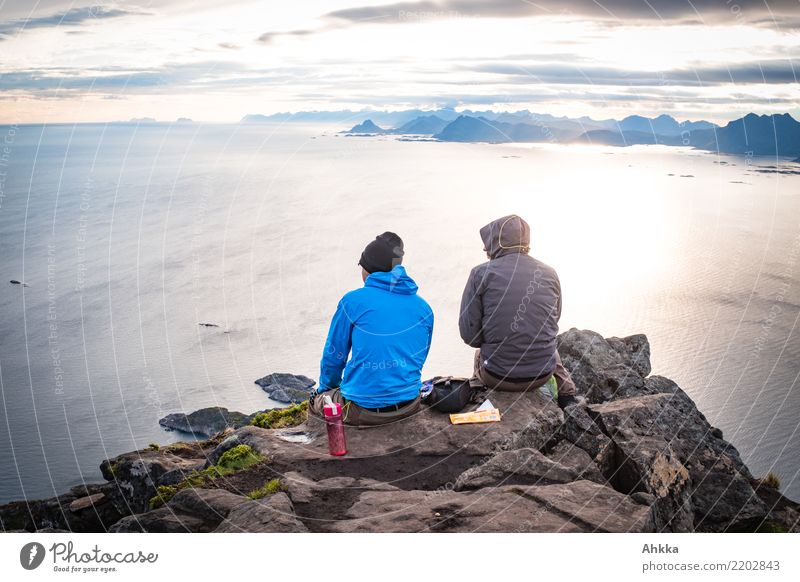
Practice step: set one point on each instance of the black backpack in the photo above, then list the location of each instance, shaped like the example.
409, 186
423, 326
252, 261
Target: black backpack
449, 394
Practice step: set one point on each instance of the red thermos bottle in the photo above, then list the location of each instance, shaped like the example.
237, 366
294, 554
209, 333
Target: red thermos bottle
333, 419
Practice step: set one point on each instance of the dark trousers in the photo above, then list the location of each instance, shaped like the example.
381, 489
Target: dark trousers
355, 415
482, 377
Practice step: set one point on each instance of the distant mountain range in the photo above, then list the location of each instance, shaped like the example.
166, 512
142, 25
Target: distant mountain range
540, 128
760, 134
381, 118
777, 134
763, 135
662, 125
423, 125
470, 129
396, 119
756, 134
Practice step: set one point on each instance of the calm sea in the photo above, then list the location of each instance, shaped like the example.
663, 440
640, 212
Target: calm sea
129, 236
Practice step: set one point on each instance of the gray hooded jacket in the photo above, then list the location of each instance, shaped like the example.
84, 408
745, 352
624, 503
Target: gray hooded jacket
511, 305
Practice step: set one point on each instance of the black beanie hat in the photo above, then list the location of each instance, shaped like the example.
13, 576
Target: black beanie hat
383, 253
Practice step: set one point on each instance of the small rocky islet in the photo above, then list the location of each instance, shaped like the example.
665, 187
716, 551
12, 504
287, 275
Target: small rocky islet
638, 457
206, 422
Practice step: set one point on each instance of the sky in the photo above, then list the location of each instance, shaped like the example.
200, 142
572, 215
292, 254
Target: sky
211, 61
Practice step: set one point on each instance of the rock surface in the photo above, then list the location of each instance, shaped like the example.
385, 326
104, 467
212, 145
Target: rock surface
206, 422
136, 475
286, 388
663, 442
517, 467
580, 506
637, 456
86, 502
605, 369
274, 514
82, 509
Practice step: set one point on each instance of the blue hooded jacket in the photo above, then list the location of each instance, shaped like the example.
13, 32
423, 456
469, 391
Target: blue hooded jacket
386, 328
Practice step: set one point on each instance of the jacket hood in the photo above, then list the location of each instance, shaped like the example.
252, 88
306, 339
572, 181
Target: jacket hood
509, 234
394, 281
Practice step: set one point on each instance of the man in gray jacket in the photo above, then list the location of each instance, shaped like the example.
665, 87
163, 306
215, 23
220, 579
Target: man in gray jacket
510, 311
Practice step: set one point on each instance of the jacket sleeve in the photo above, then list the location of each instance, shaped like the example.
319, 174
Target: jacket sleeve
424, 354
558, 299
470, 319
337, 349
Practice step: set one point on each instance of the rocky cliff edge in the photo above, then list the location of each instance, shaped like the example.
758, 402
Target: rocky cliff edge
637, 456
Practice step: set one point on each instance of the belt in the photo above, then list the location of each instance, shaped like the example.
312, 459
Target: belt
391, 407
517, 380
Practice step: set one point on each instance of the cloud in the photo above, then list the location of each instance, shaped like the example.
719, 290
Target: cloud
771, 72
193, 76
656, 100
507, 76
771, 13
70, 17
707, 11
268, 37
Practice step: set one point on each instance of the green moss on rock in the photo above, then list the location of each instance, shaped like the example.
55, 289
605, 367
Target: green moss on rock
163, 494
282, 417
269, 488
236, 459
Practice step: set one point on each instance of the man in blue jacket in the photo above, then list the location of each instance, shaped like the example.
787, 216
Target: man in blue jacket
385, 328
